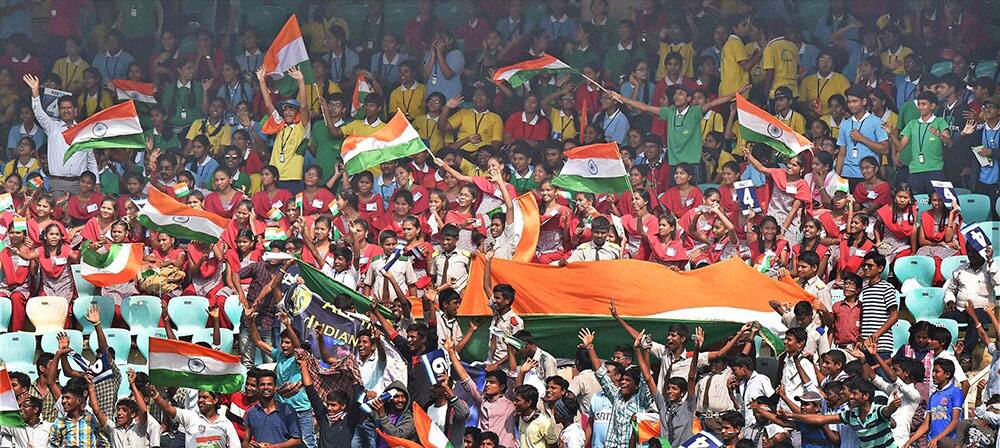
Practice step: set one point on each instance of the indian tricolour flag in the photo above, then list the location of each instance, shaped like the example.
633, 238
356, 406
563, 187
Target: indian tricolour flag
397, 139
118, 264
520, 73
135, 91
10, 413
430, 435
114, 127
594, 168
361, 91
178, 363
164, 214
756, 125
288, 50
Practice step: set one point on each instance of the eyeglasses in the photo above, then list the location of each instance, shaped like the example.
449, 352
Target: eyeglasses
868, 266
233, 157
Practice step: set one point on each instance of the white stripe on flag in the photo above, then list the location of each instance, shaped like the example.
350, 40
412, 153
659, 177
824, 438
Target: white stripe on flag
595, 168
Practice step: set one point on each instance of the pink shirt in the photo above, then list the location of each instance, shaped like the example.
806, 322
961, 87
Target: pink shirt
497, 415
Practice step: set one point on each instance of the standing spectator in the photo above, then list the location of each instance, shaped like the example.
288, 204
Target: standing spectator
274, 423
735, 63
628, 398
473, 32
944, 409
342, 59
70, 68
860, 136
113, 62
879, 309
928, 135
558, 25
422, 27
443, 65
286, 371
21, 61
78, 428
623, 54
968, 291
386, 64
63, 174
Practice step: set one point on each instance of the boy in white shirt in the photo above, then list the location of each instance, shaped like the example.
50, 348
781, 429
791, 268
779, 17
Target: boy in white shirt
572, 435
401, 270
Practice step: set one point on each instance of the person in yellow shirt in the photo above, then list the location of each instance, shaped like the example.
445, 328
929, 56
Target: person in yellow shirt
783, 100
676, 42
70, 68
837, 105
736, 63
322, 86
564, 118
366, 126
427, 124
23, 161
213, 127
288, 154
712, 121
409, 96
815, 90
781, 61
478, 124
894, 53
93, 97
316, 29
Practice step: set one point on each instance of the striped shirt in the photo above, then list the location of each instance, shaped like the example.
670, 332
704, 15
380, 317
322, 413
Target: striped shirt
623, 409
874, 430
877, 302
84, 432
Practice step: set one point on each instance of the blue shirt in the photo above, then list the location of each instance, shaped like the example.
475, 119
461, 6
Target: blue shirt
342, 67
437, 82
15, 134
906, 90
287, 371
386, 71
939, 409
600, 412
203, 172
112, 66
616, 127
990, 174
566, 28
870, 126
277, 427
808, 54
386, 190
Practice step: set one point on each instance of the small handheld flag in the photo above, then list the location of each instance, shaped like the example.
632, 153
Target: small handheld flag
746, 195
20, 224
6, 201
274, 234
181, 189
275, 215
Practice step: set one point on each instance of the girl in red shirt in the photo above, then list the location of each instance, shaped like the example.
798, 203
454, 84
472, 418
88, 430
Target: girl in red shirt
84, 205
940, 236
896, 233
370, 203
683, 196
270, 196
315, 199
17, 279
133, 192
437, 208
640, 226
417, 246
319, 247
872, 193
98, 228
406, 182
366, 252
854, 246
666, 245
811, 242
54, 258
223, 200
553, 234
765, 239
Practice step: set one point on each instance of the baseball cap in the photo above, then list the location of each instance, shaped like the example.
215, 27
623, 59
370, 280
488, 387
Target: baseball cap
809, 397
289, 103
783, 92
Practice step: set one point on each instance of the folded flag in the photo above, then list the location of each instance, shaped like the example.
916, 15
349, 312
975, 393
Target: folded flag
430, 435
841, 184
10, 413
298, 201
435, 364
119, 264
522, 72
288, 50
135, 91
6, 201
164, 214
756, 125
114, 127
100, 368
178, 363
361, 91
397, 139
596, 168
181, 189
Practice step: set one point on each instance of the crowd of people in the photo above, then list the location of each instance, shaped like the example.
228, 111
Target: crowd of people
893, 98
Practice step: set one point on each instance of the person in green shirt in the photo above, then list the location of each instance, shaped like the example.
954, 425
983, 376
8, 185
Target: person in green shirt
184, 99
324, 145
162, 131
581, 50
683, 119
929, 134
624, 53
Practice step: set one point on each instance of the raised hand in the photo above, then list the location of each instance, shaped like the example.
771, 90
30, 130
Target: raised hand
586, 337
614, 309
448, 345
213, 313
638, 338
93, 315
295, 73
32, 82
262, 73
63, 341
206, 84
528, 365
699, 338
454, 102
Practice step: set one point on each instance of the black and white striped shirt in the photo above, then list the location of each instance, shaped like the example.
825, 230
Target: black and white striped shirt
877, 302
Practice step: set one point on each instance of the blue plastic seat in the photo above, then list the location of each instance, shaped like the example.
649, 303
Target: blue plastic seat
704, 187
83, 287
119, 339
225, 338
142, 313
950, 264
941, 68
917, 267
105, 305
47, 313
5, 312
354, 15
951, 325
925, 303
900, 334
923, 202
142, 339
189, 313
50, 341
18, 352
234, 312
975, 207
396, 14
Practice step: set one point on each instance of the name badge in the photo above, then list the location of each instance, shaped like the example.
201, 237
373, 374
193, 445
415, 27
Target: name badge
671, 251
370, 207
791, 189
317, 203
277, 205
770, 253
719, 246
859, 253
91, 208
688, 202
417, 196
872, 195
58, 261
18, 261
706, 227
842, 226
363, 260
211, 254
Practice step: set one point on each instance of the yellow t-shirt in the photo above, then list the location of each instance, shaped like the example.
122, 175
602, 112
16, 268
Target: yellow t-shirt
894, 60
795, 121
562, 124
70, 73
487, 124
219, 135
362, 127
410, 101
712, 121
426, 126
782, 56
816, 87
833, 124
22, 170
732, 76
285, 156
757, 71
89, 105
313, 96
686, 51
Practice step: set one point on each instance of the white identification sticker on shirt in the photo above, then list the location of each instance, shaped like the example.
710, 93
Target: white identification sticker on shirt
370, 207
91, 208
317, 203
18, 261
859, 253
719, 246
277, 205
363, 260
872, 194
417, 196
770, 253
671, 251
58, 261
688, 202
791, 189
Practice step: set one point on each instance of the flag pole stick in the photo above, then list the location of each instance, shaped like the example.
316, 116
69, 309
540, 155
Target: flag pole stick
594, 82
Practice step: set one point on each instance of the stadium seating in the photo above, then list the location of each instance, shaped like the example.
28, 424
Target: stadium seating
917, 267
83, 287
950, 264
188, 313
142, 339
50, 341
47, 313
205, 335
925, 303
18, 354
142, 313
119, 339
950, 324
5, 311
105, 305
234, 312
923, 202
900, 334
975, 207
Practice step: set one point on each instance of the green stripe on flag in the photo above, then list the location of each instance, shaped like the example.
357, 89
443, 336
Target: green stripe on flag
523, 76
368, 159
11, 419
756, 137
92, 257
223, 384
177, 231
135, 141
328, 288
592, 184
288, 86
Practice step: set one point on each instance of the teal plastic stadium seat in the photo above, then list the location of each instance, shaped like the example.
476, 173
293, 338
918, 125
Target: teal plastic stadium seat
19, 351
50, 342
119, 339
5, 312
925, 303
960, 190
948, 265
950, 324
536, 11
234, 312
987, 68
83, 287
205, 335
991, 228
923, 202
142, 312
941, 68
353, 14
142, 339
189, 313
900, 334
397, 14
106, 306
917, 267
452, 14
47, 313
975, 207
704, 187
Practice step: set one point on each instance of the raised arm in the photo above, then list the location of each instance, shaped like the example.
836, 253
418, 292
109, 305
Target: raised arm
699, 339
286, 320
140, 399
487, 281
508, 202
642, 358
95, 406
753, 160
458, 174
725, 99
443, 124
587, 342
168, 408
94, 317
255, 336
638, 105
264, 93
632, 332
